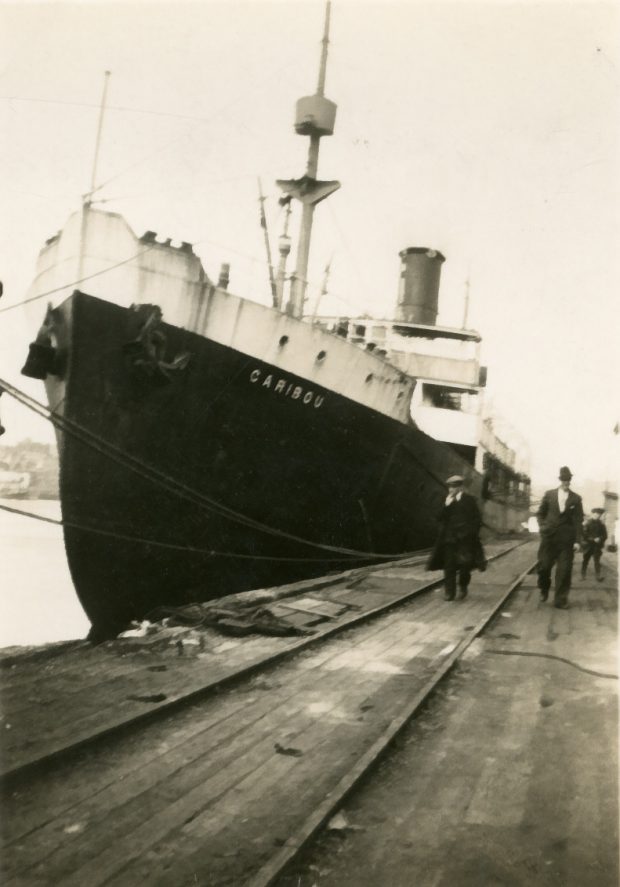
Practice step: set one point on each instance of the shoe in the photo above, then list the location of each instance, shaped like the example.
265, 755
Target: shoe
462, 594
561, 605
583, 576
543, 596
599, 578
448, 597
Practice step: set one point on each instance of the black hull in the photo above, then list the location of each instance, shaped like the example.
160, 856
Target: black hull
227, 476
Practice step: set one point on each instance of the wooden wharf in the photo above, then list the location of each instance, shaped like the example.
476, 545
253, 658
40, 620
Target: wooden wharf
57, 699
128, 763
509, 775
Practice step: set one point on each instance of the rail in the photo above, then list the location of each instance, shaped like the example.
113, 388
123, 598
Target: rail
31, 761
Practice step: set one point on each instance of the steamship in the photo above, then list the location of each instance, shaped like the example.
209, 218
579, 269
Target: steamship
210, 444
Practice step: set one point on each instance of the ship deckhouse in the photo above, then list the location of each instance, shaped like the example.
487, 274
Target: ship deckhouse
445, 362
447, 402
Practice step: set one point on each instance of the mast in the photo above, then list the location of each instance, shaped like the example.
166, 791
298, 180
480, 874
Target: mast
102, 108
284, 248
87, 198
324, 289
263, 224
315, 117
466, 305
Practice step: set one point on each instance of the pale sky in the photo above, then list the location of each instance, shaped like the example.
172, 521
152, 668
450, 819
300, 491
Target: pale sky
486, 130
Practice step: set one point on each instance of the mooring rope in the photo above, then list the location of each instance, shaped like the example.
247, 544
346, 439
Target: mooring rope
155, 542
172, 485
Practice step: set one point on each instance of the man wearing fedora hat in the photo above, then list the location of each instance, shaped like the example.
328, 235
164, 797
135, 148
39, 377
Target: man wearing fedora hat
594, 538
560, 518
458, 549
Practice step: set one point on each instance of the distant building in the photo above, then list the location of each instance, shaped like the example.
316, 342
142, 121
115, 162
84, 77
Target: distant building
29, 469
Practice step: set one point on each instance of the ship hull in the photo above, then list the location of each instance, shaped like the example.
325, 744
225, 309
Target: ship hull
187, 482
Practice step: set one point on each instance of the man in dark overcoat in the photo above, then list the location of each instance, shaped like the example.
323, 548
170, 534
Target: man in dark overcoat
594, 538
458, 549
560, 519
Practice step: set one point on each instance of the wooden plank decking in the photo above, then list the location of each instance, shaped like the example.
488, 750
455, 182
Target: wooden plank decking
51, 704
510, 775
206, 795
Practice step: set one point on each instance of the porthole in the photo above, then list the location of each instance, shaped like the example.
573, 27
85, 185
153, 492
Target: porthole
321, 356
369, 377
283, 341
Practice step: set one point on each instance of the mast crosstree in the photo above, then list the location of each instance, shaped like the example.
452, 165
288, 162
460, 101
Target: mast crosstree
315, 116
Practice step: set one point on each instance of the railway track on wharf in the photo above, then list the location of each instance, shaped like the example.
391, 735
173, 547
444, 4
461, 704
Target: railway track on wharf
58, 700
227, 787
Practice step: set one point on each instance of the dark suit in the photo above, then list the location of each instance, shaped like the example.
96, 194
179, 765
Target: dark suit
559, 531
594, 530
458, 549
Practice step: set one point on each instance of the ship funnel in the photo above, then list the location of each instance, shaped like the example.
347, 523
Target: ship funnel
418, 291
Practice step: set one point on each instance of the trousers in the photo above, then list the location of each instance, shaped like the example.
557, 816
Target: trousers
452, 569
595, 554
556, 552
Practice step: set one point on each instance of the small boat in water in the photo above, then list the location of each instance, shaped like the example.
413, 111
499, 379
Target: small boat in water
209, 444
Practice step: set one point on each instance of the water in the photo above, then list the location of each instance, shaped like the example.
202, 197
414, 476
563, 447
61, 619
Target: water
37, 601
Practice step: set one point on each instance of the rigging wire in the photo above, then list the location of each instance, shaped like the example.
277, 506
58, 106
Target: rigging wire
174, 190
356, 265
272, 75
76, 282
39, 101
311, 284
169, 483
195, 118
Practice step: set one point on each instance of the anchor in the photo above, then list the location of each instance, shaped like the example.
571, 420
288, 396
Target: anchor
42, 357
146, 352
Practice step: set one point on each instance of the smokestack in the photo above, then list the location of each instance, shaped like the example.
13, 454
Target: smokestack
418, 291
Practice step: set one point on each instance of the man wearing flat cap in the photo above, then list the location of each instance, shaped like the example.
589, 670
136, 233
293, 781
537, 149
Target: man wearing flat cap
594, 538
560, 519
458, 549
